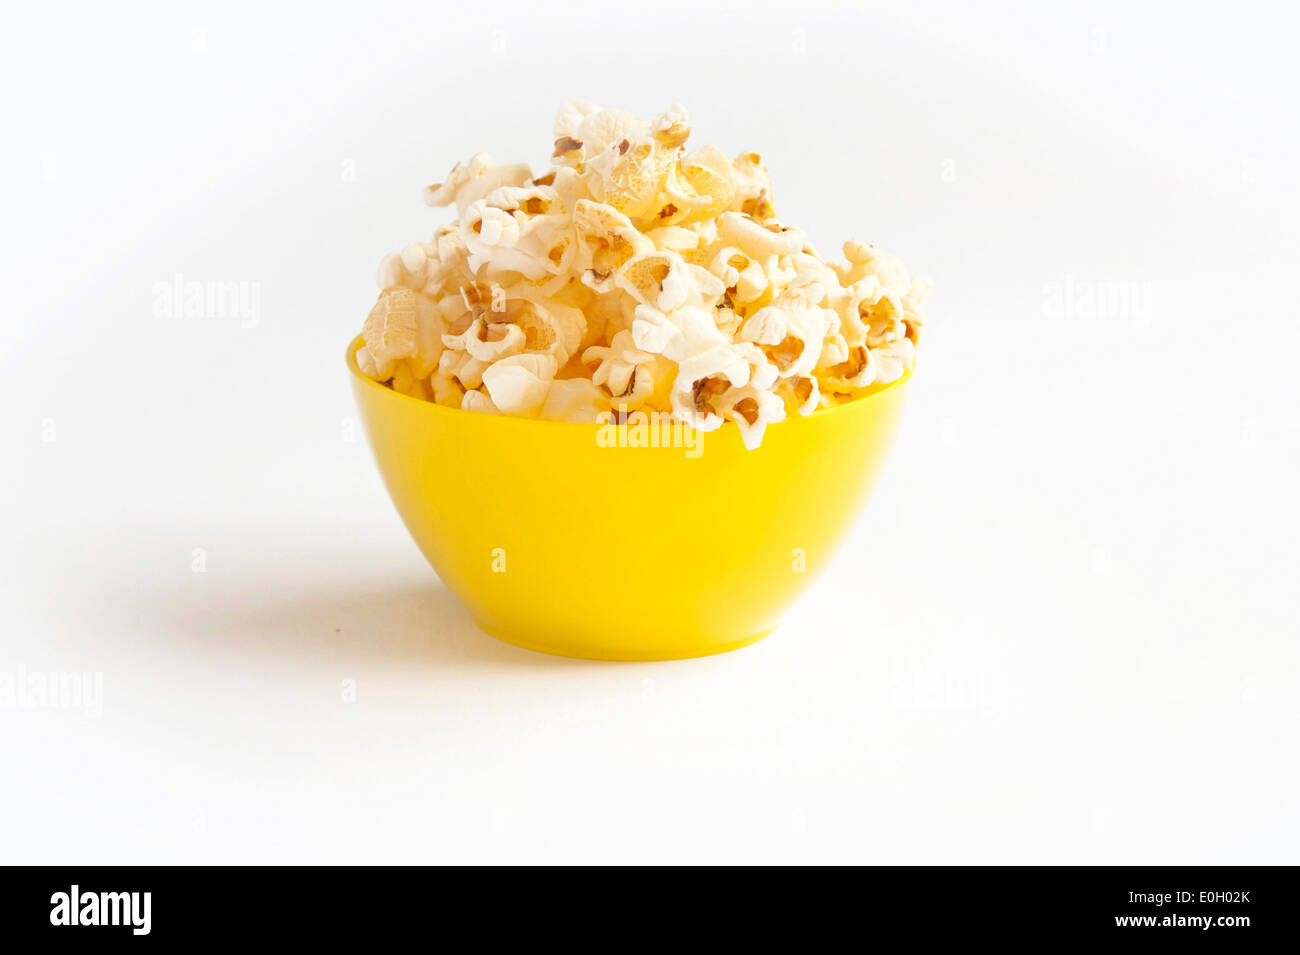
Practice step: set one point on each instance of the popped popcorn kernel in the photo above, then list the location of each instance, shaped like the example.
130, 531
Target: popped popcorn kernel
634, 275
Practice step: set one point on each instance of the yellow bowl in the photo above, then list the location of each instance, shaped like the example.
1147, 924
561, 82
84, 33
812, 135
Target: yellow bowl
567, 539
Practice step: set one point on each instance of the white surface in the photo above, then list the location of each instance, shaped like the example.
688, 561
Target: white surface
1065, 631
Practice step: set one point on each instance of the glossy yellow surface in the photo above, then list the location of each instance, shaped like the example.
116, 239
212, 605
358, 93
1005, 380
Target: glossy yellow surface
559, 544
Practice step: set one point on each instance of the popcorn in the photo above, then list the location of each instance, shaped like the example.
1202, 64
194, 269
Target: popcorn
857, 371
894, 360
791, 338
801, 395
474, 179
624, 375
573, 399
666, 281
487, 341
633, 275
751, 410
518, 385
477, 401
402, 326
757, 239
743, 276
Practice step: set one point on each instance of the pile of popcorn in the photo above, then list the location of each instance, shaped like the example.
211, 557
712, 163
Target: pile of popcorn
633, 276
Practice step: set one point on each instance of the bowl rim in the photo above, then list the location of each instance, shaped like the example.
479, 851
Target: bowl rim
434, 408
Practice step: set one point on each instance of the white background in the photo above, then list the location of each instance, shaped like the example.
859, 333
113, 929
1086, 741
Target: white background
1064, 631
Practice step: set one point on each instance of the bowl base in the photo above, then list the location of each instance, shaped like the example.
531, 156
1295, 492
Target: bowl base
577, 652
